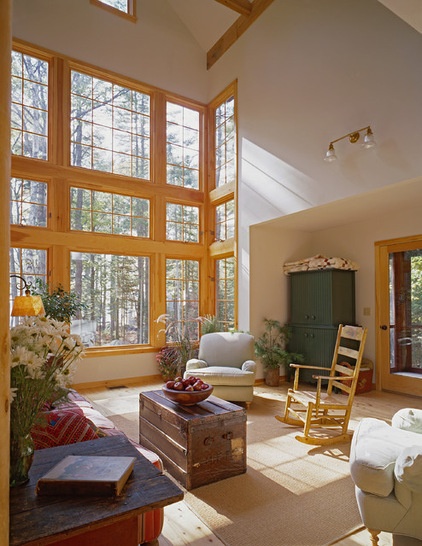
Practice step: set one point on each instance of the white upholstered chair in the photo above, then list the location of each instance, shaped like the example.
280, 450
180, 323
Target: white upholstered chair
226, 361
386, 467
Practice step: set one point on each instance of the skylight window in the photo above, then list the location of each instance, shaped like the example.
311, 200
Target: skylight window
119, 7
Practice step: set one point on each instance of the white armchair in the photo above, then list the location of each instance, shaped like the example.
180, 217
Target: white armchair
386, 467
225, 361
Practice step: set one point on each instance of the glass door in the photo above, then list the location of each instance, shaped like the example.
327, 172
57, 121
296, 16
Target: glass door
399, 315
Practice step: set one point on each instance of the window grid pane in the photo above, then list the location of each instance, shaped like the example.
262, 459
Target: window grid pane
121, 5
224, 223
28, 202
103, 212
182, 223
115, 290
29, 108
225, 143
182, 295
225, 285
110, 127
182, 146
29, 263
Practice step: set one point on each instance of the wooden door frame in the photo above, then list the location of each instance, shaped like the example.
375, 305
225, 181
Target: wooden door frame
399, 382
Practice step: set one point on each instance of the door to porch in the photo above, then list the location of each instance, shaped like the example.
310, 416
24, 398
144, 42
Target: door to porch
399, 315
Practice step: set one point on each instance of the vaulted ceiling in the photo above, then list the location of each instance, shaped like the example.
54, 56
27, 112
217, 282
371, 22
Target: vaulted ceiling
217, 24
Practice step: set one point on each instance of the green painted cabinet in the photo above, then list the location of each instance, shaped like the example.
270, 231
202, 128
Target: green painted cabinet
319, 302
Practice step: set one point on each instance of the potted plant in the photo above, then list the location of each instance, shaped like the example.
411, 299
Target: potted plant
59, 304
271, 349
179, 338
210, 324
168, 362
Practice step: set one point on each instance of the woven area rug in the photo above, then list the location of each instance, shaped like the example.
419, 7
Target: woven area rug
292, 494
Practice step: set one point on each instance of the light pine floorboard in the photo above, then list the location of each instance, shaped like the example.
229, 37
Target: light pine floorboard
181, 525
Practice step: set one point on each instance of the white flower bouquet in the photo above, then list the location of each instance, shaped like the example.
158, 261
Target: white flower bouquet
43, 358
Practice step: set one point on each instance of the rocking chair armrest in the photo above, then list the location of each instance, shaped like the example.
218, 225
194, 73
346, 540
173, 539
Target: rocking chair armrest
306, 367
332, 377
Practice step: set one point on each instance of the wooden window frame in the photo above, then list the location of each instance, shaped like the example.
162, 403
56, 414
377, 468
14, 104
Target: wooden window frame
60, 240
219, 195
129, 15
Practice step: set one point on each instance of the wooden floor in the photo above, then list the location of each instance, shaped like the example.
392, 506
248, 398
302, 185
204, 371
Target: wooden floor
181, 526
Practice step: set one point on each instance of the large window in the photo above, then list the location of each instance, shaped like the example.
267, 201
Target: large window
126, 8
115, 290
225, 143
182, 146
28, 202
123, 208
225, 291
104, 212
182, 223
29, 263
224, 228
29, 114
110, 127
182, 294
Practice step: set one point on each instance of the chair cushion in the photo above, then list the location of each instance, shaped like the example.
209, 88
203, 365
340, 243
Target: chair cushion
63, 427
374, 451
223, 375
230, 349
408, 419
408, 468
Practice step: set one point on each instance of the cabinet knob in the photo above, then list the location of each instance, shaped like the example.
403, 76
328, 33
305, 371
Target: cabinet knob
313, 317
305, 335
306, 317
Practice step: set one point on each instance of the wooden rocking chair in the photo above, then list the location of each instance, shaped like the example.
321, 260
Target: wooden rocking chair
325, 410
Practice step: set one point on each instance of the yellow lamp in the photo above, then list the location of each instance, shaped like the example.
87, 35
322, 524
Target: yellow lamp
27, 305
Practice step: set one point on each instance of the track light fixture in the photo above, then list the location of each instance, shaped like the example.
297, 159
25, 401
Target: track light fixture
368, 142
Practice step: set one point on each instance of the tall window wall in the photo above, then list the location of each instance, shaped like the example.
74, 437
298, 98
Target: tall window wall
109, 198
222, 199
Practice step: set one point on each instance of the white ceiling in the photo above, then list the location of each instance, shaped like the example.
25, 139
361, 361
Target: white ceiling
208, 20
409, 10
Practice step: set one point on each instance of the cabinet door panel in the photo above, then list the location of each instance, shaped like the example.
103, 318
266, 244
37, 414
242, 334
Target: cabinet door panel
325, 297
316, 345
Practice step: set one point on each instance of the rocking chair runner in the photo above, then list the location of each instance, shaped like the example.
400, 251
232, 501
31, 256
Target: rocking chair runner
325, 410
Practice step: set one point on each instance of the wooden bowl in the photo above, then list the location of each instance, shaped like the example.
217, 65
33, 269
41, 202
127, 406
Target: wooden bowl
187, 398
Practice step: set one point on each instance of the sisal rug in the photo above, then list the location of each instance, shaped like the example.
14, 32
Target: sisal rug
292, 494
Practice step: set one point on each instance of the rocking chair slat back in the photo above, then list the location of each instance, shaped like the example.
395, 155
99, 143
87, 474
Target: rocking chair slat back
332, 408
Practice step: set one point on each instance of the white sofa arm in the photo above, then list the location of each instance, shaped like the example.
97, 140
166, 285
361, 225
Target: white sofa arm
408, 419
195, 363
249, 366
408, 468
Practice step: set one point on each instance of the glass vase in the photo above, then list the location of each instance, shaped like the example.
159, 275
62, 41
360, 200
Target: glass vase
21, 457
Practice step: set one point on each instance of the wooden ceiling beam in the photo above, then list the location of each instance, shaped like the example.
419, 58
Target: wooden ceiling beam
243, 7
236, 30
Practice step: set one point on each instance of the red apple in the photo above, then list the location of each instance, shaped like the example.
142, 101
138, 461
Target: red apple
197, 386
189, 388
205, 386
178, 386
170, 384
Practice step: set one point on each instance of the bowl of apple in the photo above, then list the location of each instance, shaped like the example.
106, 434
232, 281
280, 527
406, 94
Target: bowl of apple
187, 392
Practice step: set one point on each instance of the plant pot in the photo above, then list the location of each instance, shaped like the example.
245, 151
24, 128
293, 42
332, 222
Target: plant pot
272, 377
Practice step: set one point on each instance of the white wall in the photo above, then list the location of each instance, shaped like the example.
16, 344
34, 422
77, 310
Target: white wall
309, 72
113, 368
354, 225
157, 49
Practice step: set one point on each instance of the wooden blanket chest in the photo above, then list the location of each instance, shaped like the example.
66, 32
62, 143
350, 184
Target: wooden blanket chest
198, 444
